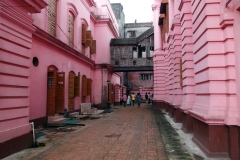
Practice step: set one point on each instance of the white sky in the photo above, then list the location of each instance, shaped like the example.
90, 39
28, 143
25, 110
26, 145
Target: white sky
136, 9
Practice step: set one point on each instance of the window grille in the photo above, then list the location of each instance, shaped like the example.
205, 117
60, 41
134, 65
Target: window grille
70, 30
145, 76
51, 20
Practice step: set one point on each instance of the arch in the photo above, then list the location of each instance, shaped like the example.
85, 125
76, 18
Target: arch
72, 73
72, 9
84, 22
52, 67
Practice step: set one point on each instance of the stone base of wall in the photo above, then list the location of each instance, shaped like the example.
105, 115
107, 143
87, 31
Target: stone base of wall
171, 110
187, 123
159, 104
167, 107
177, 117
40, 121
216, 141
212, 139
233, 135
15, 145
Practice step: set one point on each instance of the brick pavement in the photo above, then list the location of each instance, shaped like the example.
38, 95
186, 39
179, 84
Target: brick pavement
129, 133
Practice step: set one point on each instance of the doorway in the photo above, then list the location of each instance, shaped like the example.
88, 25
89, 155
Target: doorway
55, 92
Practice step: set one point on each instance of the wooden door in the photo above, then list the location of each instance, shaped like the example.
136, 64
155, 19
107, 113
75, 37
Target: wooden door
51, 91
71, 92
60, 92
76, 86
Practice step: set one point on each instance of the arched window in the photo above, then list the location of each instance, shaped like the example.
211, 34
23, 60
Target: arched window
72, 15
70, 29
51, 19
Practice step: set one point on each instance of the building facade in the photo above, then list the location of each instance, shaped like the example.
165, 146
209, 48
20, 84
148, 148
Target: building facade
52, 60
196, 70
134, 56
118, 11
133, 30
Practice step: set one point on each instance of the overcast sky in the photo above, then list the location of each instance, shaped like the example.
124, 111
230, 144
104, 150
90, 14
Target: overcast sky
136, 9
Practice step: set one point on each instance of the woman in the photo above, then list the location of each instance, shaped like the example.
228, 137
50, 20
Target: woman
138, 97
124, 100
129, 100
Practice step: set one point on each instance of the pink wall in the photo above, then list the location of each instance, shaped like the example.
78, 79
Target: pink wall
207, 48
158, 57
236, 12
65, 62
15, 53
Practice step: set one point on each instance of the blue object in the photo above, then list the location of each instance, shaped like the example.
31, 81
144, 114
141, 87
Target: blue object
65, 113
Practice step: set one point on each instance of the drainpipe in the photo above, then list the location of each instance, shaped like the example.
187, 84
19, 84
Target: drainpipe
228, 2
34, 140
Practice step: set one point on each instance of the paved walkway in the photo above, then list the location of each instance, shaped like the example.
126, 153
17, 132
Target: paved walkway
129, 133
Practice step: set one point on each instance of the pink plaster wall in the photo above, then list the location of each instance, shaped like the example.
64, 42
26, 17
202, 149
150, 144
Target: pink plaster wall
15, 55
64, 62
202, 34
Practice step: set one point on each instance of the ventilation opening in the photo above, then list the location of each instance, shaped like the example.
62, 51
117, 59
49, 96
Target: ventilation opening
35, 61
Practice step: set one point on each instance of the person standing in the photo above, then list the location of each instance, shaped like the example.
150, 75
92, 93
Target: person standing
124, 100
129, 100
146, 97
149, 97
138, 97
133, 99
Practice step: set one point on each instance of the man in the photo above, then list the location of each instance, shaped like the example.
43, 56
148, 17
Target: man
133, 99
146, 97
149, 97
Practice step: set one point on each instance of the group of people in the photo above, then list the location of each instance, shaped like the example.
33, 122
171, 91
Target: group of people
130, 99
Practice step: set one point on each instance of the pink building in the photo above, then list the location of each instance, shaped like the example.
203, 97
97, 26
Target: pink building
54, 55
196, 70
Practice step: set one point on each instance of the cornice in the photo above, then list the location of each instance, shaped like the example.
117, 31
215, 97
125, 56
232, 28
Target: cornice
106, 21
181, 2
37, 5
86, 5
109, 67
91, 3
61, 45
16, 15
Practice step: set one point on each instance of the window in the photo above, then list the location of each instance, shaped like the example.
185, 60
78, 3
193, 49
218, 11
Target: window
139, 51
70, 30
145, 76
151, 50
134, 52
132, 34
51, 19
143, 52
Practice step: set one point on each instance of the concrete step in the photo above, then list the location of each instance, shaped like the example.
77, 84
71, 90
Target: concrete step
93, 111
56, 119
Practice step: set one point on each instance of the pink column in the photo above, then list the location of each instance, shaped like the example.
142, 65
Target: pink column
176, 55
187, 56
226, 21
176, 28
158, 59
214, 72
214, 77
170, 67
236, 26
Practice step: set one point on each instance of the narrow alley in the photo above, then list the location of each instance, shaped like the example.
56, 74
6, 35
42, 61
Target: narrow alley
127, 133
